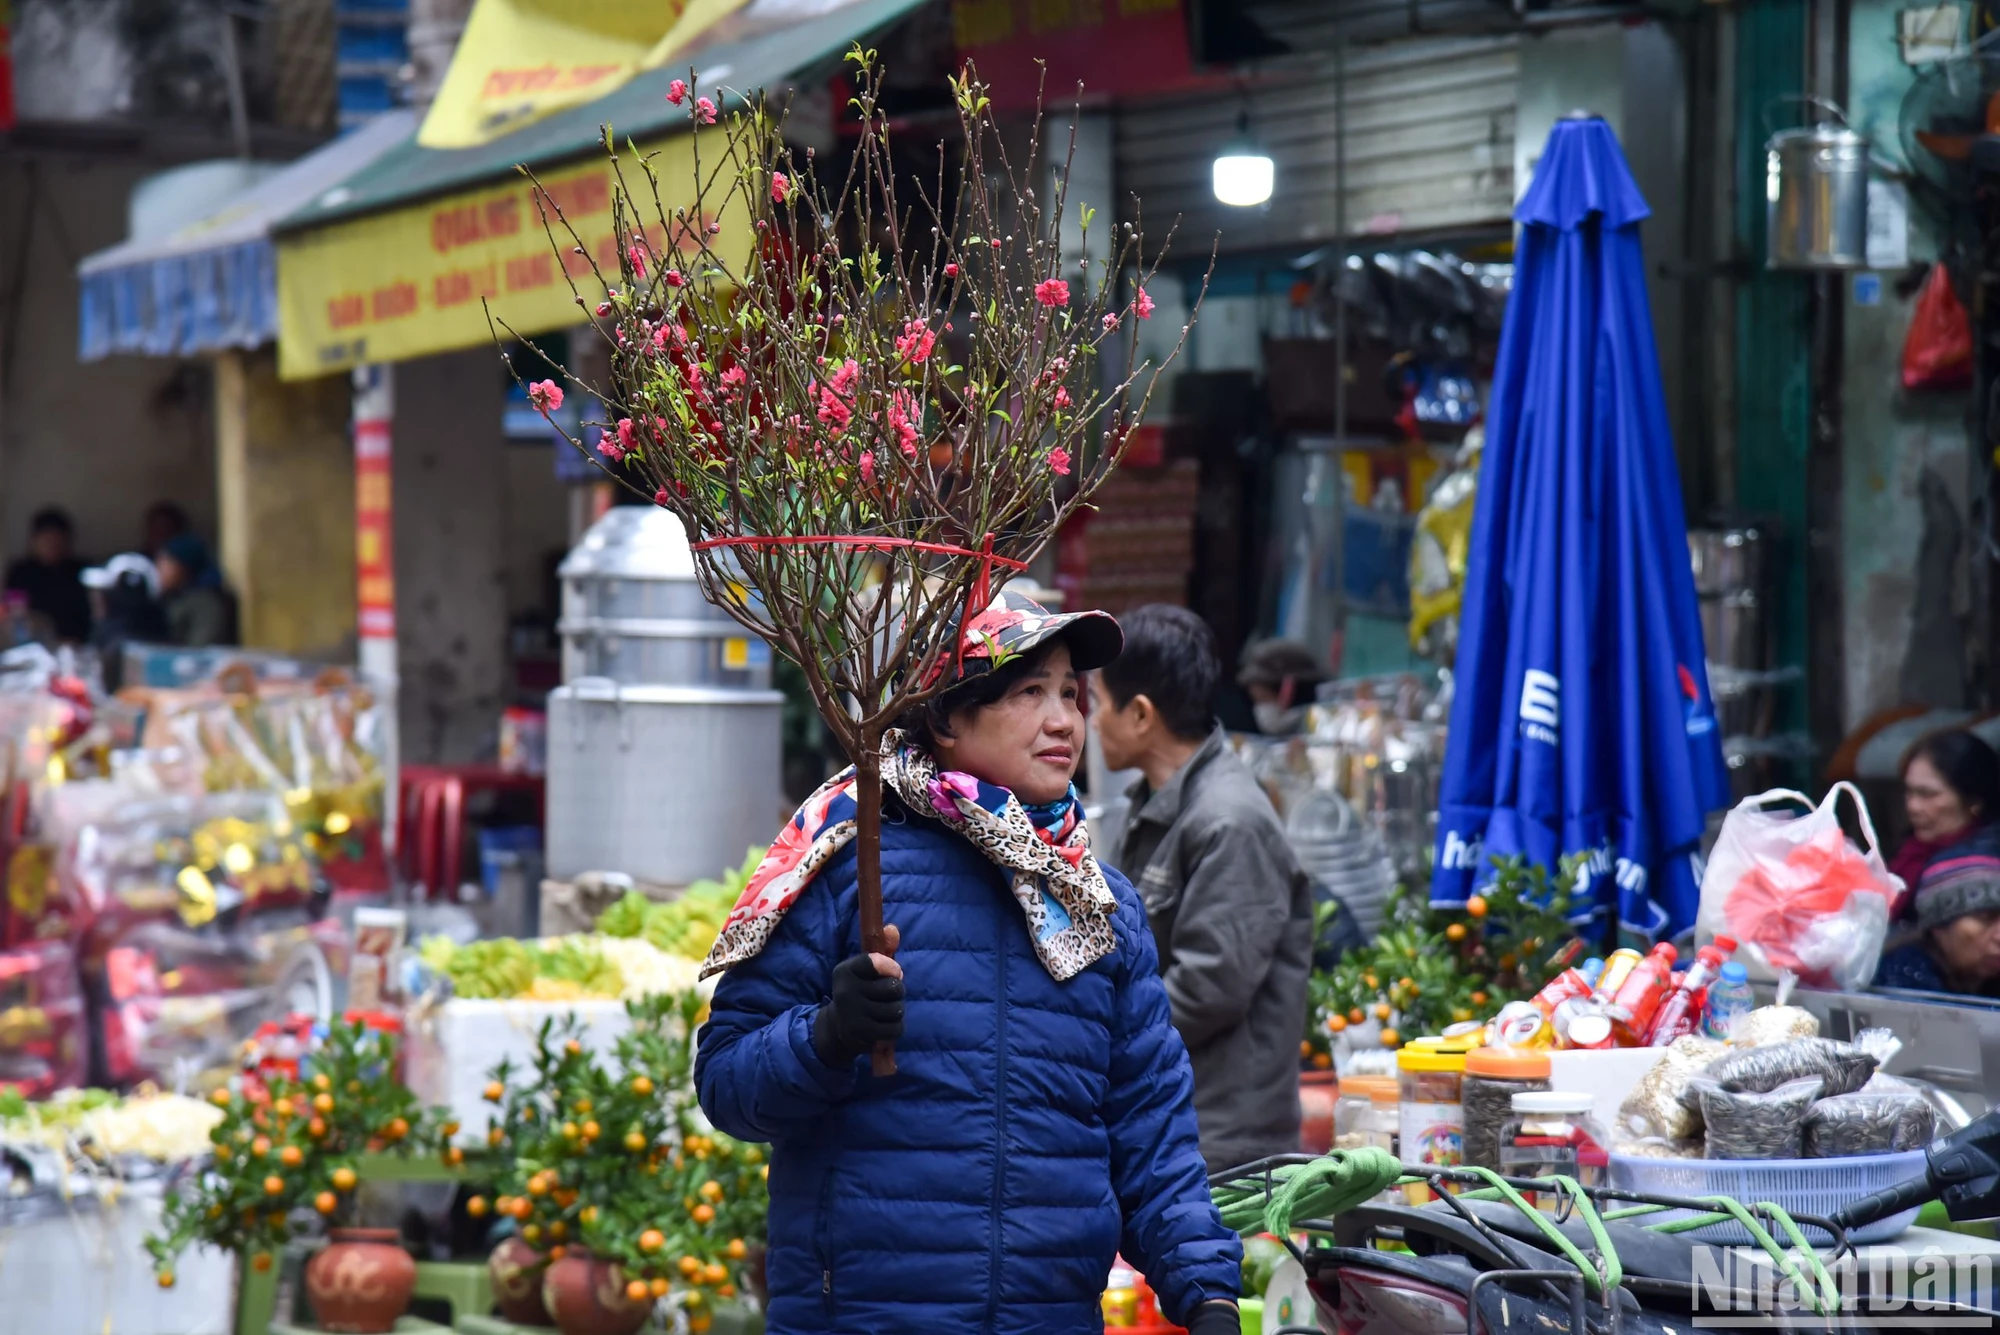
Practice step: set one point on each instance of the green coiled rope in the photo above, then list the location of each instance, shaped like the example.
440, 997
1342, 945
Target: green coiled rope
1317, 1190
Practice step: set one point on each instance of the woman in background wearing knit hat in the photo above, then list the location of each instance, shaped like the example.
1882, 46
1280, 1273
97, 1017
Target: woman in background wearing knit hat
1956, 943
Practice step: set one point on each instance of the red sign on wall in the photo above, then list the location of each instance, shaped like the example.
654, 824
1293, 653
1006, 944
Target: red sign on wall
373, 560
1115, 48
6, 65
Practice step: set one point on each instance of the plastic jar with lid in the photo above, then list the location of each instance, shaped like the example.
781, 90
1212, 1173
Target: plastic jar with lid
1431, 1111
1551, 1133
1350, 1112
1493, 1076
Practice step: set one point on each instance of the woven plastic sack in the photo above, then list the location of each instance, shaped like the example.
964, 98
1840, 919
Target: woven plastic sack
1747, 1124
1851, 1124
1796, 894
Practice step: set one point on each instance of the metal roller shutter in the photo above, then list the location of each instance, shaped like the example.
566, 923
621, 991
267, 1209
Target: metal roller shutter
1430, 147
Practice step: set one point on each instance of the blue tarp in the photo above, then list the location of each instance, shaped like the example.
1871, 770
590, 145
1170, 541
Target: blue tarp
1582, 722
213, 283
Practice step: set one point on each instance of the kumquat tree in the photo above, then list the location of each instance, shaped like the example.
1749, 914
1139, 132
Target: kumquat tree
877, 409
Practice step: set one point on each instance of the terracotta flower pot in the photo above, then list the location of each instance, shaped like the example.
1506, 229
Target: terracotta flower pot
586, 1296
1317, 1092
517, 1271
361, 1281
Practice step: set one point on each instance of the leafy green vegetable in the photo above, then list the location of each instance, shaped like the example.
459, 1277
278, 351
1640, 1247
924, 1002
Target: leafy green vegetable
626, 918
686, 926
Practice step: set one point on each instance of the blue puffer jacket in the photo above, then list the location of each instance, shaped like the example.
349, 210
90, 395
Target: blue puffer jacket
1033, 1128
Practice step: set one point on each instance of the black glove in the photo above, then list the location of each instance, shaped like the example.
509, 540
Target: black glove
867, 1008
1216, 1319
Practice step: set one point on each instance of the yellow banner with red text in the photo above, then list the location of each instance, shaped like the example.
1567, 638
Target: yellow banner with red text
391, 286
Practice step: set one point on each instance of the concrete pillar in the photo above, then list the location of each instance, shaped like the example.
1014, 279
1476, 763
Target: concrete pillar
453, 669
285, 492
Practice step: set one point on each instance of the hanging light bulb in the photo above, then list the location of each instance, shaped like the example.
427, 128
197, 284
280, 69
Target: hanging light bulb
1244, 172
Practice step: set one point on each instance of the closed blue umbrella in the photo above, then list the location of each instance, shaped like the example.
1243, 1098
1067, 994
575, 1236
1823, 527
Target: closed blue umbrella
1582, 722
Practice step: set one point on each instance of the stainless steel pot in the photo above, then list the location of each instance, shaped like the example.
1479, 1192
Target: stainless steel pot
1816, 198
677, 652
634, 611
1726, 560
664, 783
1732, 627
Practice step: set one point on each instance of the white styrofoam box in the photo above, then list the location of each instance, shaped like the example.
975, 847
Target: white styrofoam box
451, 1049
1607, 1076
85, 1269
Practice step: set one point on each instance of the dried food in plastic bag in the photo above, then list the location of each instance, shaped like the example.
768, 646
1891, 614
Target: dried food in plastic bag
1655, 1108
1841, 1068
1746, 1124
1849, 1124
1773, 1024
1657, 1147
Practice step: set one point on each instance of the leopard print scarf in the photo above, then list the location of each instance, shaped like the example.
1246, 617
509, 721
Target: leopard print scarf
1054, 876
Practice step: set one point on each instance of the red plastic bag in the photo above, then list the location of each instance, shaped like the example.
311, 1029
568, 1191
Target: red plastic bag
1796, 895
1937, 352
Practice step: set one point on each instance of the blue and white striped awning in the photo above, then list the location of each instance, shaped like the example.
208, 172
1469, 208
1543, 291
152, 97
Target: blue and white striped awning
213, 283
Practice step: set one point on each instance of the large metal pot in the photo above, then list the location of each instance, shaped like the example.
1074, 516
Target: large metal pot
634, 612
664, 783
679, 652
1726, 560
1816, 197
1732, 627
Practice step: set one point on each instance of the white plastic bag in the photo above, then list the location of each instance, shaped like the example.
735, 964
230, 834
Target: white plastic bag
1795, 892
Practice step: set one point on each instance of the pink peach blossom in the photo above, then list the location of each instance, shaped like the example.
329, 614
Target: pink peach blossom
914, 344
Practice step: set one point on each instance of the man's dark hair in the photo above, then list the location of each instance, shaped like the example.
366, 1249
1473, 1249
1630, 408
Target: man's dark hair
52, 517
1170, 659
1969, 765
169, 516
927, 722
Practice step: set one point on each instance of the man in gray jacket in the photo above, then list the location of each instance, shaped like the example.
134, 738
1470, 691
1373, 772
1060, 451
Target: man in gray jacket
1229, 906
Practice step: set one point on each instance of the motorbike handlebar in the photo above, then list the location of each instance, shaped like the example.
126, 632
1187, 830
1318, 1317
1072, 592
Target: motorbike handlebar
1888, 1201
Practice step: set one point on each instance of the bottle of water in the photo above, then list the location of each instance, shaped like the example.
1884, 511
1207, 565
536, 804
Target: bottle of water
1729, 996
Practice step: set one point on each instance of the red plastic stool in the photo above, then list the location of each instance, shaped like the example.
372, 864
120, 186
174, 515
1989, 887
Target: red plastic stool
432, 807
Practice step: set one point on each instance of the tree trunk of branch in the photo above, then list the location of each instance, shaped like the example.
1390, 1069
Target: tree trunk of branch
868, 865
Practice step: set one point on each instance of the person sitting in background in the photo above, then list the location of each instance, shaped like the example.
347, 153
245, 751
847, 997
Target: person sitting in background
124, 596
200, 612
164, 522
1955, 945
1951, 788
1228, 904
1282, 677
52, 577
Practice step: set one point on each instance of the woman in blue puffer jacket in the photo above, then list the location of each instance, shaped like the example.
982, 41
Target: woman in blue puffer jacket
1041, 1117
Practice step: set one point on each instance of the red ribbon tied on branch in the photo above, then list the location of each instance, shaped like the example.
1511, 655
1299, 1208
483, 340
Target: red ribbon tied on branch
976, 599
